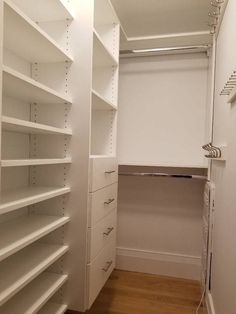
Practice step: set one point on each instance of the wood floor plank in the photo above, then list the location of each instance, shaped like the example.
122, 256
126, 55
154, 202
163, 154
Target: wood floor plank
137, 293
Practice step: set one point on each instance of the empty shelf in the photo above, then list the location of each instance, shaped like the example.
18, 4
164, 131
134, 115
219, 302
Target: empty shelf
18, 233
24, 88
45, 11
22, 126
21, 197
101, 103
20, 269
102, 56
34, 162
53, 308
33, 297
26, 39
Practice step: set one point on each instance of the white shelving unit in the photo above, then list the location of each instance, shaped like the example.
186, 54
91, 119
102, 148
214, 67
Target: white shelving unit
26, 231
32, 298
17, 272
25, 196
22, 126
103, 163
59, 86
21, 87
34, 162
20, 30
35, 136
53, 308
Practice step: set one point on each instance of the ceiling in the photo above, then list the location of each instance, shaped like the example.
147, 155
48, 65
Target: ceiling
161, 20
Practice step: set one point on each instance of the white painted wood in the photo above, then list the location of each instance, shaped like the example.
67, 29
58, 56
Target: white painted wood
17, 271
163, 23
221, 295
101, 103
103, 132
21, 87
18, 233
109, 34
162, 93
101, 203
21, 197
53, 308
159, 263
23, 126
102, 56
46, 11
19, 31
100, 234
103, 172
96, 275
105, 82
32, 298
104, 13
34, 162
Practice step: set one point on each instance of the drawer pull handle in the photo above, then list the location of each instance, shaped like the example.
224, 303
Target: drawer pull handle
105, 269
109, 201
110, 172
109, 230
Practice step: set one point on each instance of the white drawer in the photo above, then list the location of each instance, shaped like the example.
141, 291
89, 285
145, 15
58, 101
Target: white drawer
100, 270
101, 203
101, 234
103, 172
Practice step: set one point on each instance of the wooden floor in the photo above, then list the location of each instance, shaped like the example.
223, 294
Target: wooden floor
137, 293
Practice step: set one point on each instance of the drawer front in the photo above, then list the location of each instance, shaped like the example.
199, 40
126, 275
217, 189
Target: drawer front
103, 172
101, 203
99, 271
101, 234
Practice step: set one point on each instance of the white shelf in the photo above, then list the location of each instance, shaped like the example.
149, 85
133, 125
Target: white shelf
45, 11
18, 233
33, 297
20, 269
143, 164
101, 156
101, 103
34, 162
22, 126
21, 87
102, 56
26, 39
53, 308
21, 197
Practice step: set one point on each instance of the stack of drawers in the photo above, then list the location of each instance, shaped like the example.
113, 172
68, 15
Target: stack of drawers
102, 223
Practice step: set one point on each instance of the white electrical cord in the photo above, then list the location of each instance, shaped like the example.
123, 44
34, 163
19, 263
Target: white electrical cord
201, 301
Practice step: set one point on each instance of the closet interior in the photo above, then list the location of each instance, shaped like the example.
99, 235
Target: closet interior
117, 148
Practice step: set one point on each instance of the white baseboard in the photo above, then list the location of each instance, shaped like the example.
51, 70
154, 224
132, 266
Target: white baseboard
159, 263
210, 304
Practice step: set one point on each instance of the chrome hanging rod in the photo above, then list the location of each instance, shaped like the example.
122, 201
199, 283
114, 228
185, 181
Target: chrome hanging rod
199, 48
160, 174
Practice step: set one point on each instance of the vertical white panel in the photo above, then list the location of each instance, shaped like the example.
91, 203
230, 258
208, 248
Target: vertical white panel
81, 86
223, 284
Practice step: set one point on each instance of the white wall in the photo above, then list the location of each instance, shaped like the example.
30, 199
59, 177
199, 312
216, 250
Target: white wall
224, 174
159, 224
162, 110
